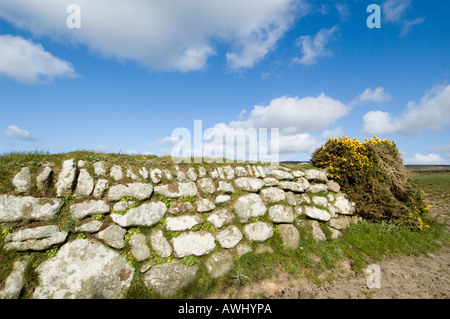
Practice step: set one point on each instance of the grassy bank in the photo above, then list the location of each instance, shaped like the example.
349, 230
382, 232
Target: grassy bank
11, 163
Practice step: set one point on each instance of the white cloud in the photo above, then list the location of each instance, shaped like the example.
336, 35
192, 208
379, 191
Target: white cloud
103, 149
343, 11
164, 35
407, 25
429, 159
431, 114
403, 153
302, 142
443, 149
323, 9
337, 132
255, 46
394, 11
169, 140
293, 117
295, 114
28, 62
242, 114
314, 48
377, 96
378, 122
193, 58
14, 132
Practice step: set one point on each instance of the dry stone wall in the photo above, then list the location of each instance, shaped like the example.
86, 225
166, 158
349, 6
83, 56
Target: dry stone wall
100, 219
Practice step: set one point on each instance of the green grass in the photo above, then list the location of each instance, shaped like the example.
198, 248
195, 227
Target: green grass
138, 288
7, 259
367, 242
434, 185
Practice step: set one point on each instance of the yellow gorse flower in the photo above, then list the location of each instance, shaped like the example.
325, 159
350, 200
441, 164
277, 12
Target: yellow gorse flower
343, 156
356, 156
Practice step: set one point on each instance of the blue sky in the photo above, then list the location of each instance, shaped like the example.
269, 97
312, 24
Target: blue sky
136, 70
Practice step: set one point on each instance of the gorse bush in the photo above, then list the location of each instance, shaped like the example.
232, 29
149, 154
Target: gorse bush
374, 177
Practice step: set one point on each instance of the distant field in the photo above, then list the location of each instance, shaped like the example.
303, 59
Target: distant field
428, 168
436, 189
410, 168
435, 186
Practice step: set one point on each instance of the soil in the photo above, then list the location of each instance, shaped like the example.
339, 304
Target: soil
408, 277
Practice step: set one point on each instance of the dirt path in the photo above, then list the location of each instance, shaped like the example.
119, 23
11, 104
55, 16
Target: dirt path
408, 277
423, 277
